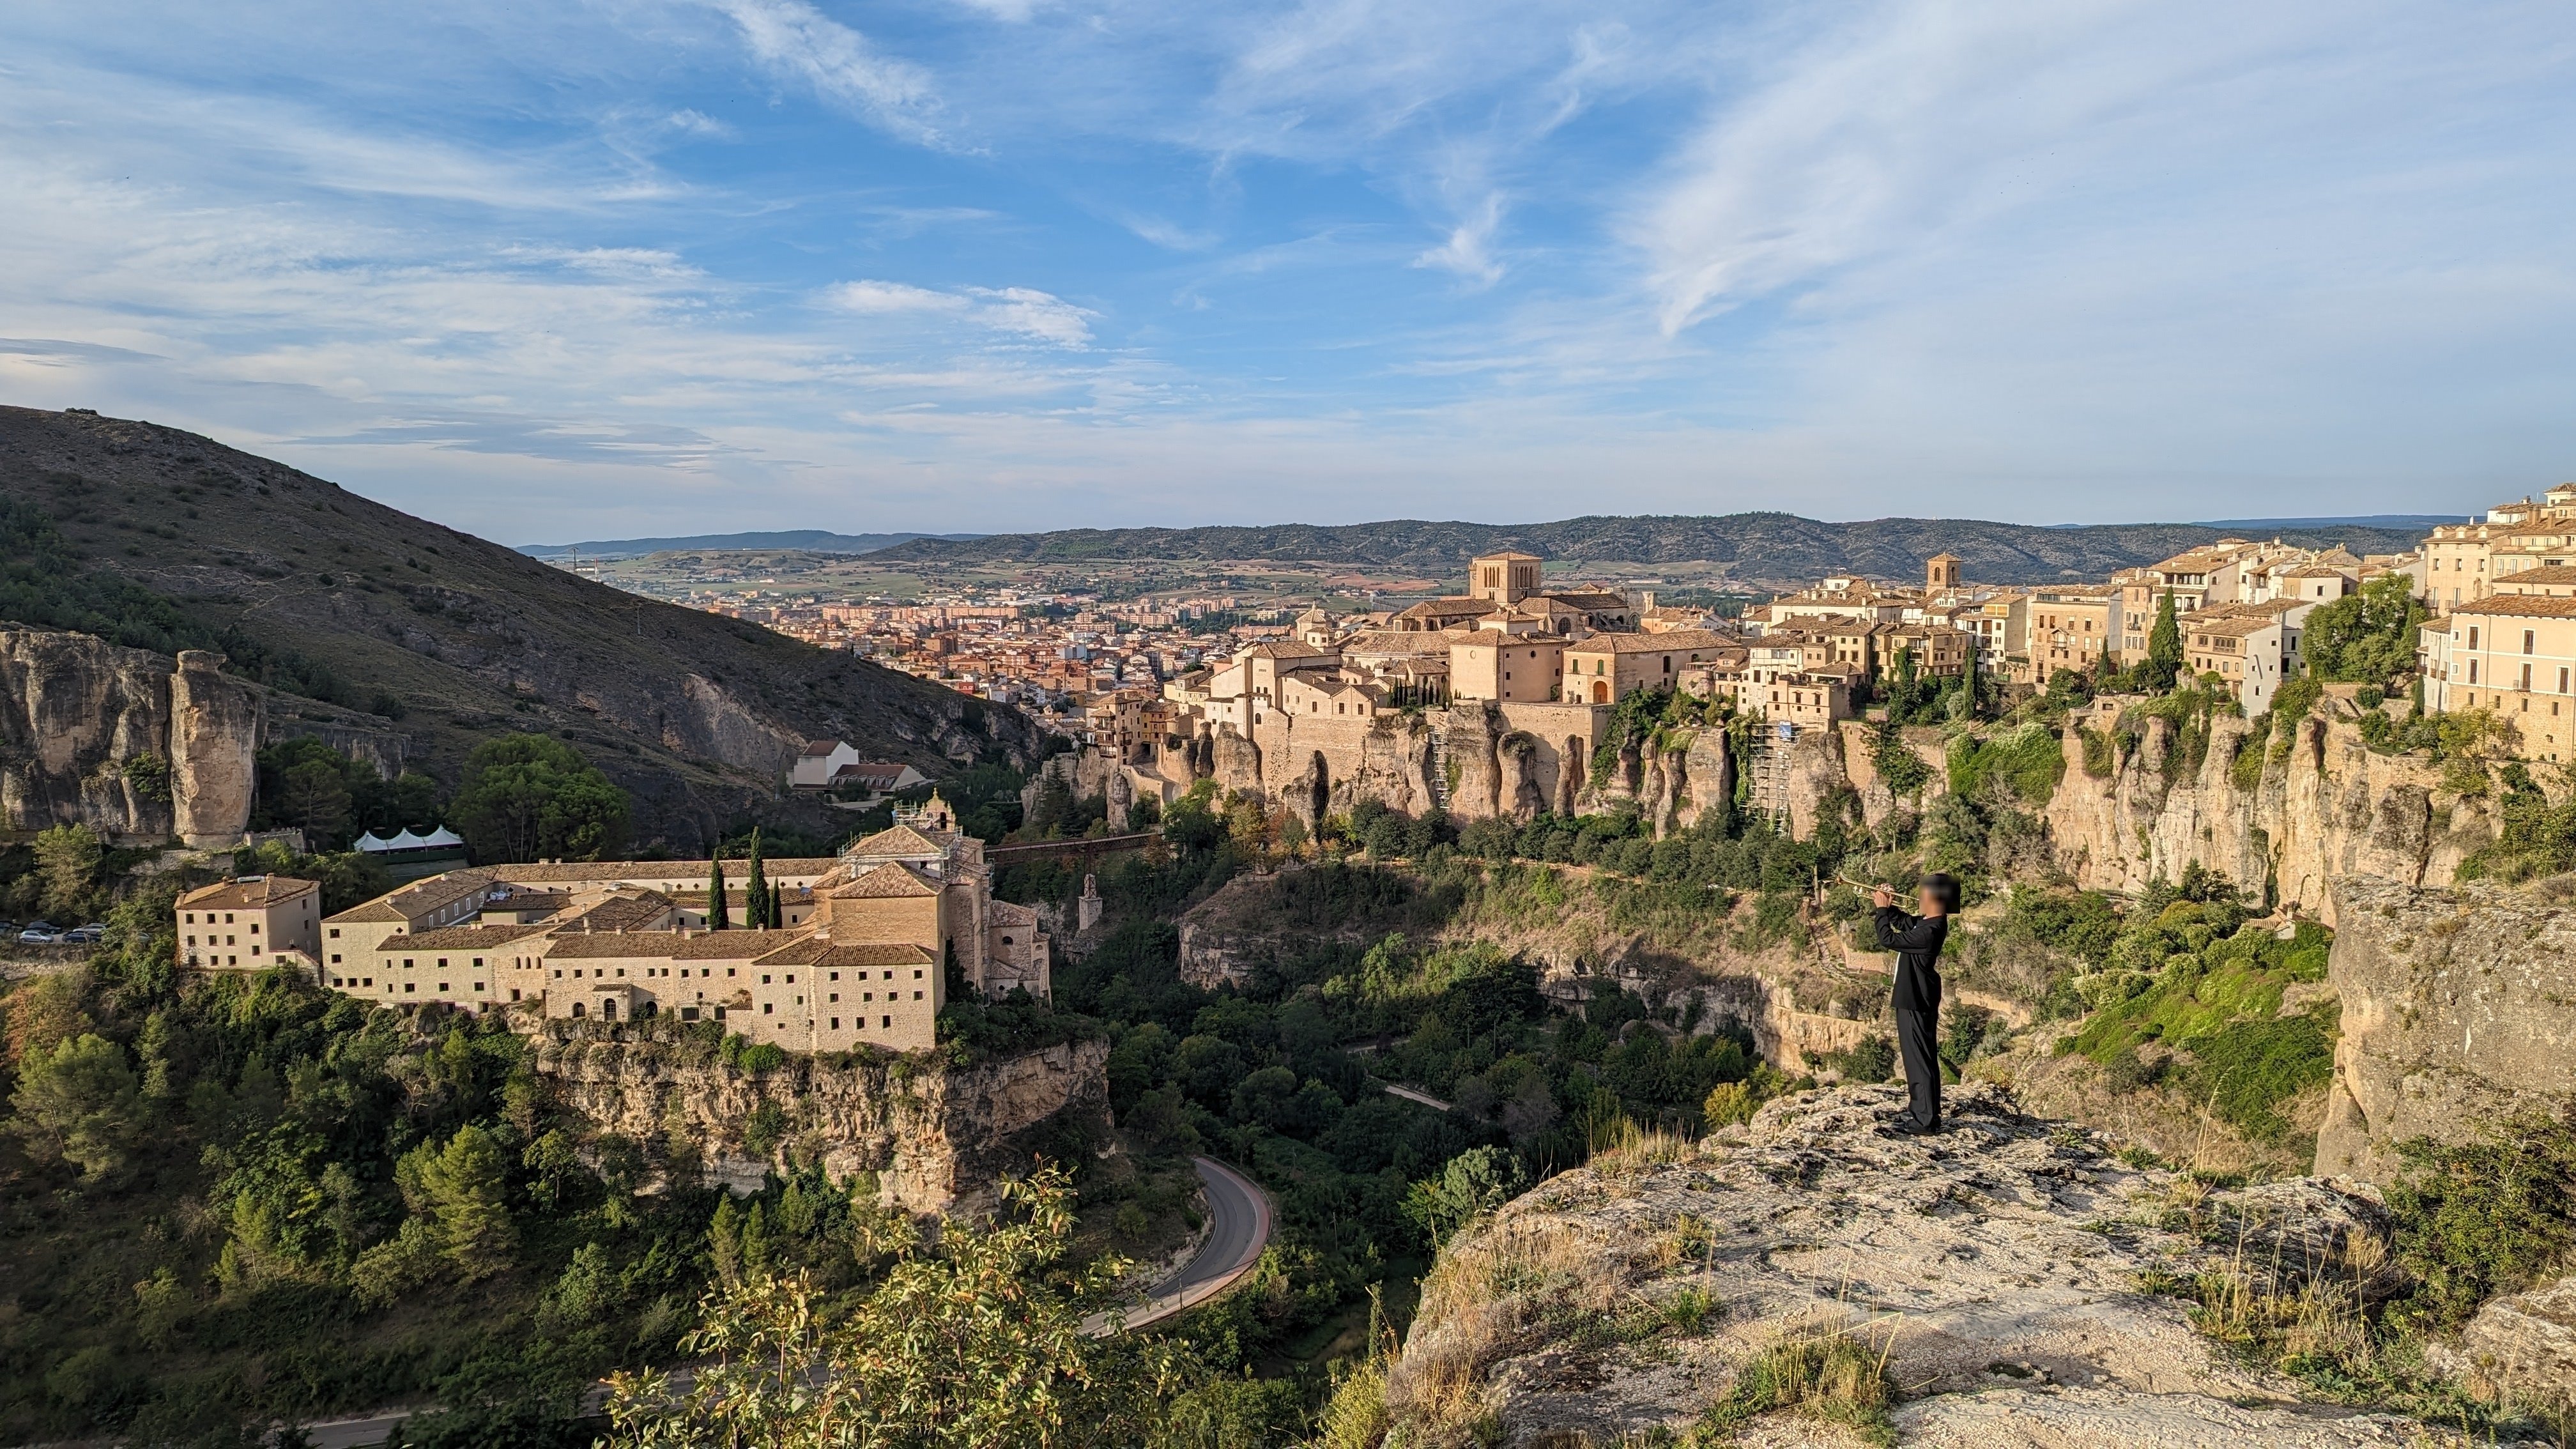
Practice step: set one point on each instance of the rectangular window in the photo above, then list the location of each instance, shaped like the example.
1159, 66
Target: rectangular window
836, 1023
888, 1020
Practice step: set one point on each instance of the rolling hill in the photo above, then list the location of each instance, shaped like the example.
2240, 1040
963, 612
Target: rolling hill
805, 540
1759, 546
162, 539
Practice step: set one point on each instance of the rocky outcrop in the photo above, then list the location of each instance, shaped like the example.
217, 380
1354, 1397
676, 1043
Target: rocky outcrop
2520, 1347
2327, 806
74, 711
214, 741
1994, 1272
133, 744
2455, 1014
940, 1139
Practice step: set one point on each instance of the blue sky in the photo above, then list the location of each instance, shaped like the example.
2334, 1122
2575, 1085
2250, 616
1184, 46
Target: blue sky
637, 266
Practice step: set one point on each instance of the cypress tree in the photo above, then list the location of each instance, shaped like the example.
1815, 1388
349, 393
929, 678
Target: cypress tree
777, 905
2164, 645
719, 914
755, 886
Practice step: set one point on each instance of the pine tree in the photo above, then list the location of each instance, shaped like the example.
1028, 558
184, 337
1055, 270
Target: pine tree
724, 1242
755, 887
719, 914
2164, 645
468, 1191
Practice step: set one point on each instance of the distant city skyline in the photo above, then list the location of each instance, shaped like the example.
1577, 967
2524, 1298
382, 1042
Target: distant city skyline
650, 267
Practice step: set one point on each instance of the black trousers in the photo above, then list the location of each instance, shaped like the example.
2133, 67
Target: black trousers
1918, 1034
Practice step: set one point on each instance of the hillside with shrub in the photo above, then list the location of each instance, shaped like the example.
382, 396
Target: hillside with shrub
164, 540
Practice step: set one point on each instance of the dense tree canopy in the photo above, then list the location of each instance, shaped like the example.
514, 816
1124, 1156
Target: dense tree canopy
533, 797
2368, 637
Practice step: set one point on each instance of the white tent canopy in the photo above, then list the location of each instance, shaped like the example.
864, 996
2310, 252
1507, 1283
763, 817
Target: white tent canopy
437, 839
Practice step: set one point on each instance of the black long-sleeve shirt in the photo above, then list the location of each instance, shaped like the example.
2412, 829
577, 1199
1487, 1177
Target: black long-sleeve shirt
1916, 940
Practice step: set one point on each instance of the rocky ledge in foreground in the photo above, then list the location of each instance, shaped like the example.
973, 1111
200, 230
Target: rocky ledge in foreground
1998, 1271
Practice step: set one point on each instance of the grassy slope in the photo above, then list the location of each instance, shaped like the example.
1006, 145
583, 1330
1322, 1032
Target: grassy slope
689, 710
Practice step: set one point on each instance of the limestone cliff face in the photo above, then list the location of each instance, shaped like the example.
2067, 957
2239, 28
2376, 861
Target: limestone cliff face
2456, 1014
940, 1139
73, 711
2331, 808
1994, 1271
76, 712
214, 736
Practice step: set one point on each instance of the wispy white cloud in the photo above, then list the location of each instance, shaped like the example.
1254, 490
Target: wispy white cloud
1020, 311
843, 66
1468, 251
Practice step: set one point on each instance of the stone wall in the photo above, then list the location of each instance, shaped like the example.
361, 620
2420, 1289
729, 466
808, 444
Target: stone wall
940, 1139
2457, 1014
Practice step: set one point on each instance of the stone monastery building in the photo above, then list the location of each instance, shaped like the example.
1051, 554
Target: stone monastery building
860, 961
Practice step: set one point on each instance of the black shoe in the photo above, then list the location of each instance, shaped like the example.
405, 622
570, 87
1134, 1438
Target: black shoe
1912, 1128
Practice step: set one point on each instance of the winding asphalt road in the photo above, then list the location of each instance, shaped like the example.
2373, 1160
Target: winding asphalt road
1242, 1229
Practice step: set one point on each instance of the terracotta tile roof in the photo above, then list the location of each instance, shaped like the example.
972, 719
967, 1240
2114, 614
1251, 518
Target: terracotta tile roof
417, 900
623, 912
898, 840
1679, 641
645, 872
669, 945
1589, 599
874, 954
2519, 606
1447, 608
886, 882
2546, 574
464, 938
251, 893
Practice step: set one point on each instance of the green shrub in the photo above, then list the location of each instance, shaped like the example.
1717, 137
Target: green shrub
2100, 758
2247, 1069
2025, 764
2477, 1219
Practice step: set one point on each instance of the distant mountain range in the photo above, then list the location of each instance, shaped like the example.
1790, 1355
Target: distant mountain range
2368, 520
1760, 546
810, 540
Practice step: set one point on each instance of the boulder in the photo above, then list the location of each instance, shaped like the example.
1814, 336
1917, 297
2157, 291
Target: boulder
2520, 1347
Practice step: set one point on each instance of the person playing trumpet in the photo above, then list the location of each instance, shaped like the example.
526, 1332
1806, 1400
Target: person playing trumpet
1917, 940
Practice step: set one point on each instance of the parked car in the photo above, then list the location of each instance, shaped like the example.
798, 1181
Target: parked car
84, 935
40, 933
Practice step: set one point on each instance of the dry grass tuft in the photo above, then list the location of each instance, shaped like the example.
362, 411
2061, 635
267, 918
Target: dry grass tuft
1826, 1367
